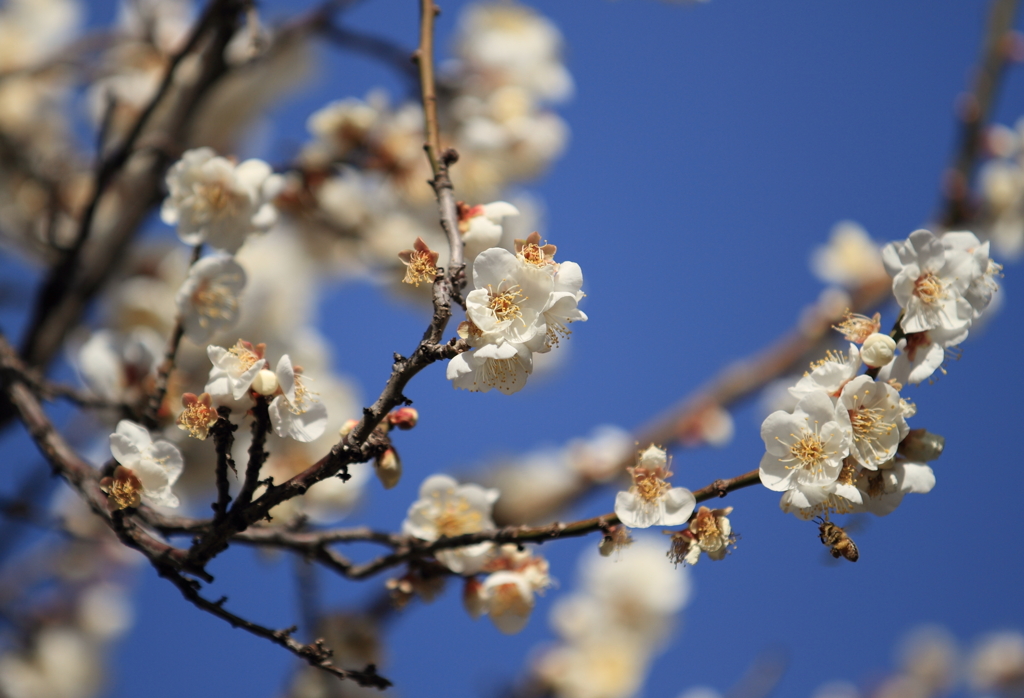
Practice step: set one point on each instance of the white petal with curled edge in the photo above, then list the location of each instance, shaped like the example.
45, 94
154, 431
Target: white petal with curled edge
678, 503
305, 427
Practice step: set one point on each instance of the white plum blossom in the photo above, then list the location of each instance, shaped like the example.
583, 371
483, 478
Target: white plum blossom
929, 281
448, 509
830, 374
710, 532
508, 303
480, 226
520, 305
921, 354
808, 501
211, 200
980, 266
208, 300
850, 259
877, 420
234, 370
883, 490
507, 594
806, 447
502, 366
295, 411
651, 501
147, 469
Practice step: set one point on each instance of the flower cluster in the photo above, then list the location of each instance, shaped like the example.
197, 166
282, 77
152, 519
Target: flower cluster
710, 533
239, 374
521, 304
1002, 191
360, 193
614, 626
943, 284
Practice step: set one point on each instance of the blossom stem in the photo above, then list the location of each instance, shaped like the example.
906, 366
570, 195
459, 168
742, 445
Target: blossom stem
223, 432
257, 453
439, 161
163, 374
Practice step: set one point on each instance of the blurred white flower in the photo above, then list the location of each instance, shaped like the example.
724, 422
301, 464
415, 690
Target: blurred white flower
850, 259
153, 467
998, 663
446, 508
63, 664
213, 201
208, 300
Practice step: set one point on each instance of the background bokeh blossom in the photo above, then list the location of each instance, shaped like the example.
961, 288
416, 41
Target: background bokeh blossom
710, 149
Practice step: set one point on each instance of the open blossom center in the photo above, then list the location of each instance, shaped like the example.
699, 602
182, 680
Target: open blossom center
869, 424
215, 199
856, 328
421, 268
125, 489
198, 415
808, 452
214, 300
929, 288
533, 254
246, 356
458, 518
304, 397
649, 483
506, 304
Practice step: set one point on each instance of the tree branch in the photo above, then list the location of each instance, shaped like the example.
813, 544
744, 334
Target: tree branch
975, 111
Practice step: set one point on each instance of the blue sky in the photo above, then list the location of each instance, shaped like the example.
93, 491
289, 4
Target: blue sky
712, 148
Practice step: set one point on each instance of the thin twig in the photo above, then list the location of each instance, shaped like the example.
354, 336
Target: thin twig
317, 654
170, 562
257, 453
975, 110
360, 445
730, 386
439, 161
163, 374
223, 433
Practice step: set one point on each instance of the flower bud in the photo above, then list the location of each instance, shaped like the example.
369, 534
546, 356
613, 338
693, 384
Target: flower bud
265, 382
472, 598
922, 446
878, 350
404, 417
347, 427
389, 468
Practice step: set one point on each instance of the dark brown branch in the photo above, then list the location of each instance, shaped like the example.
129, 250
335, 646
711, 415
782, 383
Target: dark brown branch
439, 161
223, 433
83, 477
257, 453
170, 562
83, 269
731, 385
317, 654
974, 112
360, 446
313, 544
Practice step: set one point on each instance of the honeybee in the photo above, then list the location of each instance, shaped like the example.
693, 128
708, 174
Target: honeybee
839, 543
